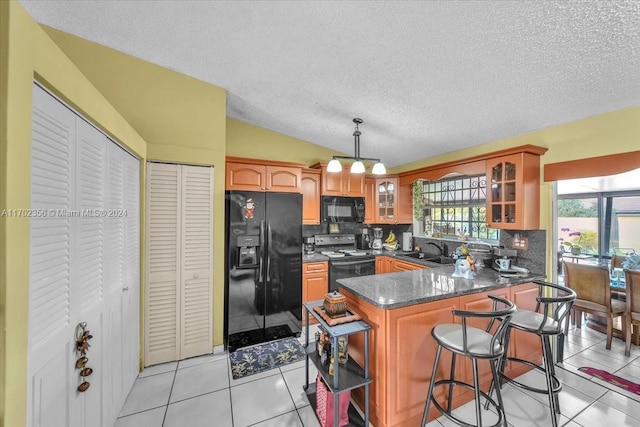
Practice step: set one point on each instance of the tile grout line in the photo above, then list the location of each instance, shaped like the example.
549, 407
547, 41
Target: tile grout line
166, 408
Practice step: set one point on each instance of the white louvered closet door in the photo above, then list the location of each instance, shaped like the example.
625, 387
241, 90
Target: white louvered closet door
179, 297
51, 353
81, 259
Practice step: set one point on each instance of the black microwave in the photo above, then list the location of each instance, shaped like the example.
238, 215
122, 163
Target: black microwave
342, 209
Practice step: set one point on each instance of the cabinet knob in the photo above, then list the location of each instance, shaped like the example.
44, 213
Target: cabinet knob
125, 289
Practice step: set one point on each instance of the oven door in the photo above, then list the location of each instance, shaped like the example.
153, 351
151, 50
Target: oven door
345, 268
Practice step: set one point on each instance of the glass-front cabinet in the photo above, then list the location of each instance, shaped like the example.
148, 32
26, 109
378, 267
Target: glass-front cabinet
386, 192
513, 196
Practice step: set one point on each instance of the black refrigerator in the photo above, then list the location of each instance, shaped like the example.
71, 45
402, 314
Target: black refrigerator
263, 260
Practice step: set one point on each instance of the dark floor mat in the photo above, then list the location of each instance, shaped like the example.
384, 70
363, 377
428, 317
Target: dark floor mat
257, 336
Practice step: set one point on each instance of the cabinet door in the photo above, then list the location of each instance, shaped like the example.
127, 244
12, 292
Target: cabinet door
404, 203
315, 283
513, 181
384, 264
524, 345
332, 183
399, 265
310, 189
353, 184
386, 191
370, 201
283, 179
245, 176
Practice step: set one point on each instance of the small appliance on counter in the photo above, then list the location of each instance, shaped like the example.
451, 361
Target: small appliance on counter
377, 239
309, 244
363, 241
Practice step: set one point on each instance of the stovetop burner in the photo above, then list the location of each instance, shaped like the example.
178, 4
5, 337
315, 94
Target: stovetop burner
339, 246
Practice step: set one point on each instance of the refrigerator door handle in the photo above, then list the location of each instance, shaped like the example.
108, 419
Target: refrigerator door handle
261, 255
268, 251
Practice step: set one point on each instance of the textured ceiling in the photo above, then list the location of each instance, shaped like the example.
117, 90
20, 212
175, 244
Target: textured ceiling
427, 77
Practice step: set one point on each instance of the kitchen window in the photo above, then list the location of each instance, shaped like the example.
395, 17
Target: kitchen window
457, 206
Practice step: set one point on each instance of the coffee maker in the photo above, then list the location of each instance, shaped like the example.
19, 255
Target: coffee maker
363, 241
309, 244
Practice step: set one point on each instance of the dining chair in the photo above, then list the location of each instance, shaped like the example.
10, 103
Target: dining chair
632, 318
616, 262
593, 289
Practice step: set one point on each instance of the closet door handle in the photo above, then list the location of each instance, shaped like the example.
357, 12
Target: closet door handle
195, 276
125, 289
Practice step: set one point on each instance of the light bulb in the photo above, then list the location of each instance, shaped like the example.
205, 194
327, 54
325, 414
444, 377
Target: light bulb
379, 169
334, 166
357, 167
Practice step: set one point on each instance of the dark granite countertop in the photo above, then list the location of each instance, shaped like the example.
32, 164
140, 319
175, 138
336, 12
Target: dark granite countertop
401, 289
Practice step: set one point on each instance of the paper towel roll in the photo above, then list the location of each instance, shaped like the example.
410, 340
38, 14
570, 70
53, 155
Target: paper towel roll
407, 241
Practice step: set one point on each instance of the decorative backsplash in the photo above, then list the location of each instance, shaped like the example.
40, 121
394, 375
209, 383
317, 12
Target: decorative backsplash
533, 258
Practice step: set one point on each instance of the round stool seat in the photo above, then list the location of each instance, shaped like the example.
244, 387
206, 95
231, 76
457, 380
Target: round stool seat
531, 321
479, 342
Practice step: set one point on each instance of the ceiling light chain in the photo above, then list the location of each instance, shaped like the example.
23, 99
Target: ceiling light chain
357, 167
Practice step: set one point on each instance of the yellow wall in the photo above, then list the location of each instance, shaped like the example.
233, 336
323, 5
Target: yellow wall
609, 133
246, 140
80, 73
28, 53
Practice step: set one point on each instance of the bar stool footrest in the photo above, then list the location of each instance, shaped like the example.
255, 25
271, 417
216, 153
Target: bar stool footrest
468, 386
557, 386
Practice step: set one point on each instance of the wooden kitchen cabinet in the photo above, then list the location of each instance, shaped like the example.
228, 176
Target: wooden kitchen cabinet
400, 265
257, 175
384, 264
392, 204
513, 191
310, 189
524, 345
341, 183
369, 200
315, 282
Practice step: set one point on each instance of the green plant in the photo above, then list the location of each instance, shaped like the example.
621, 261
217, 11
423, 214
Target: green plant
418, 203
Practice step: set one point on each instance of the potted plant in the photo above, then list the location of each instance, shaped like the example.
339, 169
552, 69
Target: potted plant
574, 247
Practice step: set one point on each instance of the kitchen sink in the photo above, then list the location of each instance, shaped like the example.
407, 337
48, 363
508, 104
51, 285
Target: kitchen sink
439, 259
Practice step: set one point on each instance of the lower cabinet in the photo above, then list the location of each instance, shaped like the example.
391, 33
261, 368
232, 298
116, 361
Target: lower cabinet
315, 283
385, 264
399, 265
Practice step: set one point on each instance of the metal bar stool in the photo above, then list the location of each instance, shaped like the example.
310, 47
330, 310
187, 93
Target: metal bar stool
546, 321
476, 344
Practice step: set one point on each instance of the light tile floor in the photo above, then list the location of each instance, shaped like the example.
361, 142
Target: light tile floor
201, 392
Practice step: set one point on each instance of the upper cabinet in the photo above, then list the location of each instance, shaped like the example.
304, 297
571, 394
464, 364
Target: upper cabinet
513, 183
391, 203
256, 175
310, 196
369, 200
341, 183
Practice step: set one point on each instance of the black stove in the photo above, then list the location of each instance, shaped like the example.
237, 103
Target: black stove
340, 246
344, 259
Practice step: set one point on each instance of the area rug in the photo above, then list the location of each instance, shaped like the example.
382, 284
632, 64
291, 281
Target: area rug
258, 336
612, 379
259, 358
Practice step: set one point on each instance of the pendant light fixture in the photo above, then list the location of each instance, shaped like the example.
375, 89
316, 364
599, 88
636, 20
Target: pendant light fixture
357, 166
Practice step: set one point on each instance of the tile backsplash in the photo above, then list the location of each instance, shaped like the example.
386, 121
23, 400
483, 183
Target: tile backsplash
533, 258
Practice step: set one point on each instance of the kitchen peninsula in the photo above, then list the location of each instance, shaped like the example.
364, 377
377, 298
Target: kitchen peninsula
402, 308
